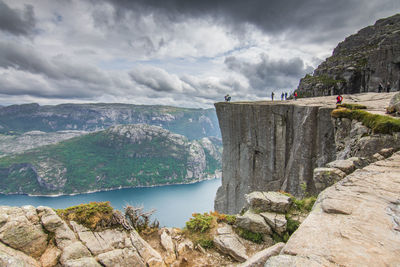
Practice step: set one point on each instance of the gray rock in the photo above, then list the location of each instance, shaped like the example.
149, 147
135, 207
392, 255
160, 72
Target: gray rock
253, 222
338, 229
346, 166
276, 221
297, 261
168, 245
11, 258
21, 234
149, 255
268, 201
264, 149
394, 105
229, 243
325, 177
360, 63
74, 251
259, 259
103, 241
121, 257
87, 262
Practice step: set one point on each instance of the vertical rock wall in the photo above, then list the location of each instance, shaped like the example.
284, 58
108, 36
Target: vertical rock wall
271, 147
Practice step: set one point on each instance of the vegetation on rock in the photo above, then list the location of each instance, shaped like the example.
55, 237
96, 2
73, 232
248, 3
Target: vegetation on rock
377, 123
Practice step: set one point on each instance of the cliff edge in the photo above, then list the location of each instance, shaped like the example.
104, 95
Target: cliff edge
271, 146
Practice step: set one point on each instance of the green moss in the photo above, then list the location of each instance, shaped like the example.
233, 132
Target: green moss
291, 225
249, 235
351, 106
305, 204
95, 215
377, 123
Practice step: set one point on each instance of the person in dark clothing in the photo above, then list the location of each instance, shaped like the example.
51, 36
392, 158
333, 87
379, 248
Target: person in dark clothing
285, 95
227, 98
272, 96
388, 87
282, 96
380, 88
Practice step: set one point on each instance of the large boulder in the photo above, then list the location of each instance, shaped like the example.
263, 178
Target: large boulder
277, 221
325, 177
229, 243
253, 222
394, 104
345, 165
149, 255
122, 258
74, 251
259, 259
268, 201
354, 223
21, 230
10, 258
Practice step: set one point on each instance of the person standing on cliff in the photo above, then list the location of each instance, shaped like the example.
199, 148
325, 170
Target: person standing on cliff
285, 95
272, 96
380, 88
227, 98
282, 96
339, 100
388, 87
295, 95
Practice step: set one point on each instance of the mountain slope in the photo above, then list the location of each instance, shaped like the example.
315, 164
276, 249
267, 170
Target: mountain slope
360, 63
192, 123
121, 156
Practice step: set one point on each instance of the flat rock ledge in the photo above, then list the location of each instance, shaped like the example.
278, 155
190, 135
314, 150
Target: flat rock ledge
356, 222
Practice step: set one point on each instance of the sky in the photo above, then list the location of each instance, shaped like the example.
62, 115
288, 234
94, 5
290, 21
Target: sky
169, 52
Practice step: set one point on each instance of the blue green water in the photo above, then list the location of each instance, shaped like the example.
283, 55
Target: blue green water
174, 203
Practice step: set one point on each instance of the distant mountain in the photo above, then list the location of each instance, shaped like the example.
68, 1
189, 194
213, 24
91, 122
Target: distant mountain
121, 156
360, 63
192, 123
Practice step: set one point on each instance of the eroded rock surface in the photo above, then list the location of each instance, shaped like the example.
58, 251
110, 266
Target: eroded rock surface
356, 222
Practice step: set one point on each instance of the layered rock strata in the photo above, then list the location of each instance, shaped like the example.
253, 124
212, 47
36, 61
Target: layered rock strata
271, 147
356, 222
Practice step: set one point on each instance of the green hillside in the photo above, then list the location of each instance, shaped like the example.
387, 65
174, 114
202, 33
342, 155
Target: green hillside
121, 156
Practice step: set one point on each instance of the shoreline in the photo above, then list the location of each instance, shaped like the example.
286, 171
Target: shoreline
216, 176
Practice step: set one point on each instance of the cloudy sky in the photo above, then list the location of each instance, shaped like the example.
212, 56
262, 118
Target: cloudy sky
170, 52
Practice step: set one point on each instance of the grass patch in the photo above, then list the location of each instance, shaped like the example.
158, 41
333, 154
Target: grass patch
377, 123
200, 222
249, 235
351, 106
95, 215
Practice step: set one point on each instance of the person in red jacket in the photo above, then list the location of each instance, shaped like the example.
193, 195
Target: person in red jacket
339, 99
295, 95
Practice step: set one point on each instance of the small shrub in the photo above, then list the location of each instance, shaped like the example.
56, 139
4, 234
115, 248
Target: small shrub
249, 235
206, 243
94, 215
199, 222
291, 225
226, 218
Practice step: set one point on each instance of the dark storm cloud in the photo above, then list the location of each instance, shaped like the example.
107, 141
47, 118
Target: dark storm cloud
270, 73
18, 22
273, 16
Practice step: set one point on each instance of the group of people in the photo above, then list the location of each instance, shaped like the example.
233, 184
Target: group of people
283, 96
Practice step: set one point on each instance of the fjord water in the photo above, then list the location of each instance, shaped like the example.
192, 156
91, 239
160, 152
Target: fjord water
174, 203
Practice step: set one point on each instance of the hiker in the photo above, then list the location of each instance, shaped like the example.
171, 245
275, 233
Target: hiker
272, 96
380, 88
388, 87
227, 98
295, 95
285, 95
282, 96
339, 100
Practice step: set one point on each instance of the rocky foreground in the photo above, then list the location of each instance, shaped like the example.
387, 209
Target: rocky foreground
356, 222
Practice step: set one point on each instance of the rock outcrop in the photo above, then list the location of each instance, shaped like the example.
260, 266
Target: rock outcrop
356, 222
271, 147
368, 61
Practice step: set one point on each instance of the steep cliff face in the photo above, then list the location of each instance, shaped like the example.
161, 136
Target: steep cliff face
271, 147
360, 63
